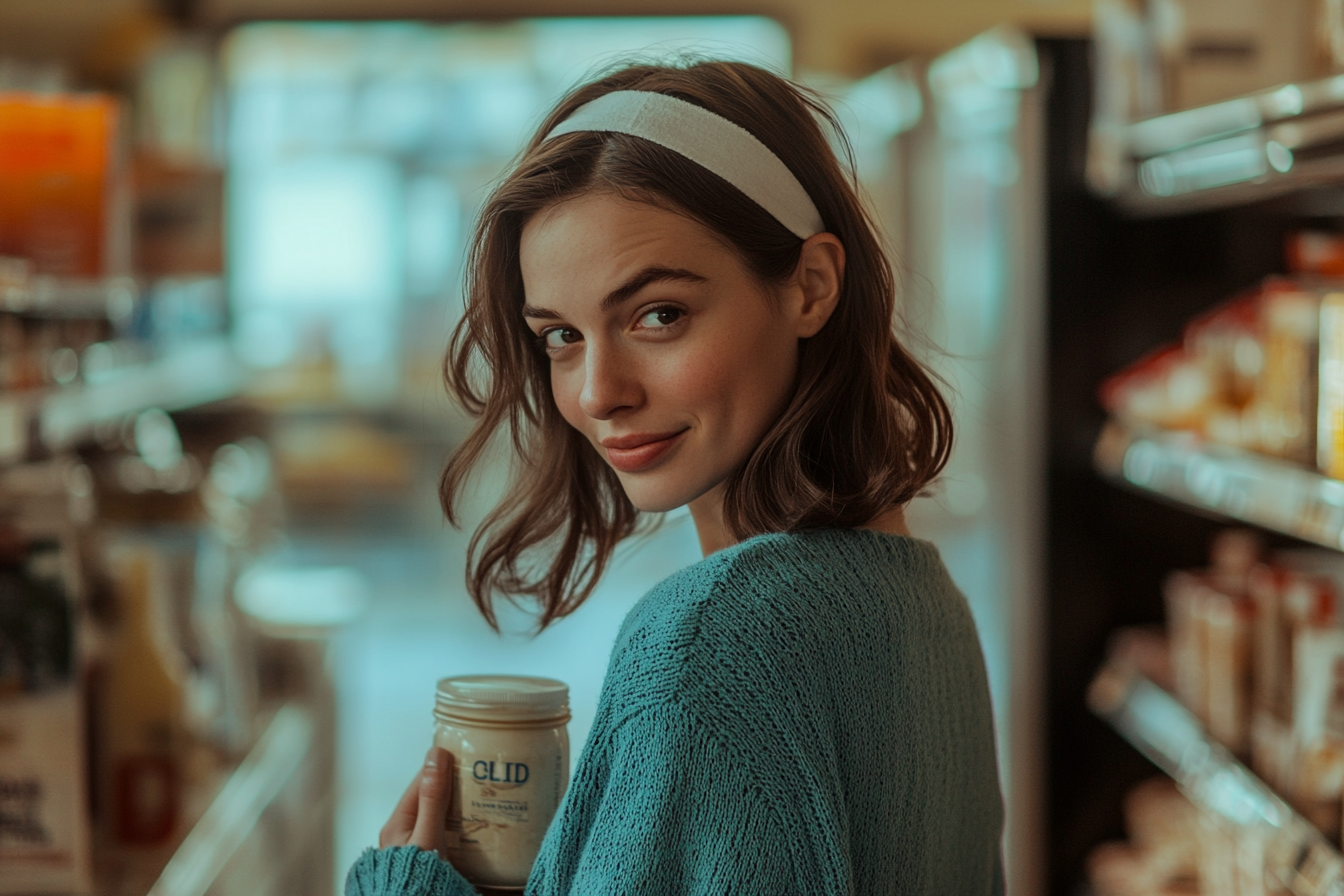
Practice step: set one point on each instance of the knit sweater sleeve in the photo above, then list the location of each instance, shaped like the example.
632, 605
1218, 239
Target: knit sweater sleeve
404, 871
662, 808
667, 808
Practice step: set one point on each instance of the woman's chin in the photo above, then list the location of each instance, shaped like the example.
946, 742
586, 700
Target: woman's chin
651, 493
649, 498
649, 504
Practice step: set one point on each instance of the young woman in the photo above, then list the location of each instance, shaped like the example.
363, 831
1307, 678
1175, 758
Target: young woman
674, 298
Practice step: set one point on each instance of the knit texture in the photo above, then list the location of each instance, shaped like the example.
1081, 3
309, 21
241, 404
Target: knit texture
803, 713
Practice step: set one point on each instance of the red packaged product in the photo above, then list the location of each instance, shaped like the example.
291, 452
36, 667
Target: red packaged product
1314, 252
1167, 389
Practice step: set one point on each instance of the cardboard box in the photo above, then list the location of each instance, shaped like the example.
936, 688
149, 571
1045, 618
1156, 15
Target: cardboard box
44, 823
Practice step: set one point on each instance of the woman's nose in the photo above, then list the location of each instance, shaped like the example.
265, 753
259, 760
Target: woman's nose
610, 383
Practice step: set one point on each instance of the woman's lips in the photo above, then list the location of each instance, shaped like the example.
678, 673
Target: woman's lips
630, 454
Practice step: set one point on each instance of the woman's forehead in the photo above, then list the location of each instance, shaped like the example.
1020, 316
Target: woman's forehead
583, 248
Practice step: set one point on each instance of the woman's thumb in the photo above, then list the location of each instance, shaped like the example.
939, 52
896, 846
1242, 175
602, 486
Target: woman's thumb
431, 818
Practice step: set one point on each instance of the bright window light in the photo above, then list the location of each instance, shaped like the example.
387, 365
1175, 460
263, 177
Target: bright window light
359, 152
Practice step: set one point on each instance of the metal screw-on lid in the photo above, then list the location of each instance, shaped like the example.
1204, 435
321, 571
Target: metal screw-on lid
501, 698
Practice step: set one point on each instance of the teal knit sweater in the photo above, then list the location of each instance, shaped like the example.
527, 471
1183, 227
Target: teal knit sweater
798, 714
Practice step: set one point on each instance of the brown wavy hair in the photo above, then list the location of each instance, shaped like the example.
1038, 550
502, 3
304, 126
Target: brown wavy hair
865, 431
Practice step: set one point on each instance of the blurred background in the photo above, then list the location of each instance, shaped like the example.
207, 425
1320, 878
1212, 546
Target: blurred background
231, 246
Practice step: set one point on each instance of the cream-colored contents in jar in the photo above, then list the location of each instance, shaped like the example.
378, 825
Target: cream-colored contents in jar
510, 747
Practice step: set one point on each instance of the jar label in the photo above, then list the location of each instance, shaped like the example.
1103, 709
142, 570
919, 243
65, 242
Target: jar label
501, 808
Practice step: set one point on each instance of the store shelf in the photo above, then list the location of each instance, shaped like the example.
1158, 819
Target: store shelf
1234, 152
111, 297
54, 419
236, 812
1296, 854
247, 825
1250, 488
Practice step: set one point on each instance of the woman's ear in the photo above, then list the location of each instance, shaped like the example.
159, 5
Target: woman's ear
820, 272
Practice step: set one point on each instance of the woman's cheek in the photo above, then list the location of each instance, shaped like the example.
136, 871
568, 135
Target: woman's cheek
565, 391
699, 369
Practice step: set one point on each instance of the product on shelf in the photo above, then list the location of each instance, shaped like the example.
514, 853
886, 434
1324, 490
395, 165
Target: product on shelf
1244, 375
127, 676
1168, 389
14, 278
1257, 654
1231, 857
1163, 854
44, 822
1315, 253
44, 819
62, 192
1313, 599
1250, 840
1292, 592
1318, 727
1273, 752
1330, 410
1147, 651
1210, 618
141, 693
36, 646
1185, 594
1284, 405
1299, 596
179, 218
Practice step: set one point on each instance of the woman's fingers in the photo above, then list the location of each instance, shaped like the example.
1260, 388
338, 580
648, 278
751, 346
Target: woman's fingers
397, 831
432, 812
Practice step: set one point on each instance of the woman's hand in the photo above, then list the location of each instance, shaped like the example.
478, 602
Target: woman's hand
420, 818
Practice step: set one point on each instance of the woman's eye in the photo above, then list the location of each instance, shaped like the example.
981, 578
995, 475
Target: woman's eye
661, 317
559, 337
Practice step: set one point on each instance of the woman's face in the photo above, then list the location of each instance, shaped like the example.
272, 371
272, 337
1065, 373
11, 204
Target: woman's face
666, 352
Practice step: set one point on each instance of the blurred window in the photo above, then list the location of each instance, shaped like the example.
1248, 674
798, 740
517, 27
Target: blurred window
359, 153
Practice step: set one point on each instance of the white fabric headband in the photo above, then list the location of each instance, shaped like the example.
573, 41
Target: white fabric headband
709, 140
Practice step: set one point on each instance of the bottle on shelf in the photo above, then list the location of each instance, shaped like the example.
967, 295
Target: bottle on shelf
141, 707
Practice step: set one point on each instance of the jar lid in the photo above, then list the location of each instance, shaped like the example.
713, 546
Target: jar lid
502, 698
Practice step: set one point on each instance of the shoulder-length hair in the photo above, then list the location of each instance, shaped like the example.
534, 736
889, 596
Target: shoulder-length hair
866, 428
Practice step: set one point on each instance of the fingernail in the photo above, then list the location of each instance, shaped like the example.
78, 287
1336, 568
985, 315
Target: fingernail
432, 758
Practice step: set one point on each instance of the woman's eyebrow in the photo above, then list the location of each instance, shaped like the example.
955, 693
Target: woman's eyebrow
651, 274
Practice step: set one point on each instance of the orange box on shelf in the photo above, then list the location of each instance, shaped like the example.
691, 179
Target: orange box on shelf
62, 194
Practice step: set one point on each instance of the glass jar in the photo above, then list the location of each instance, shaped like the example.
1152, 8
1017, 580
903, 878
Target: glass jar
509, 745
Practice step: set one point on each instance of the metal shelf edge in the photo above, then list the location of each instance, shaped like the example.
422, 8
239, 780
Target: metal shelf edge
1172, 738
58, 418
235, 811
1262, 491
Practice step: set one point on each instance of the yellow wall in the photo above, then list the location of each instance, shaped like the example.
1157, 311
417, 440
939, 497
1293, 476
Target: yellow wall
847, 36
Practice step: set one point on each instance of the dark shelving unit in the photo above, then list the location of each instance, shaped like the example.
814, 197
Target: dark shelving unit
1123, 277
